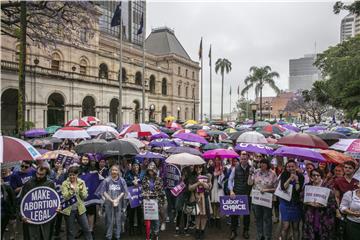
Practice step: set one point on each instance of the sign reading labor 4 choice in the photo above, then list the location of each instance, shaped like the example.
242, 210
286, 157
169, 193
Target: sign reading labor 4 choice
39, 205
239, 205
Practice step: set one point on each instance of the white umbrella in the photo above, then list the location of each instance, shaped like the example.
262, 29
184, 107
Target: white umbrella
185, 159
134, 141
71, 133
251, 137
97, 129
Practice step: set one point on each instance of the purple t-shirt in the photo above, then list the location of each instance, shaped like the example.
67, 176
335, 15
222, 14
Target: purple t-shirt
18, 179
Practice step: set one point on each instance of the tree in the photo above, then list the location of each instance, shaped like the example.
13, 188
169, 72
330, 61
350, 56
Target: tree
258, 77
43, 23
353, 8
243, 108
224, 66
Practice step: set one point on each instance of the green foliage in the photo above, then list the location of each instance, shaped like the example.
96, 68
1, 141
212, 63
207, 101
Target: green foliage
29, 125
353, 8
243, 107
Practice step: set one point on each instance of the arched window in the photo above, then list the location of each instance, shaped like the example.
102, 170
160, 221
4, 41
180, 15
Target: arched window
88, 106
186, 73
152, 84
164, 86
84, 32
179, 90
179, 70
55, 61
136, 111
83, 66
113, 114
9, 107
186, 91
138, 78
103, 71
55, 111
124, 75
186, 113
163, 113
193, 75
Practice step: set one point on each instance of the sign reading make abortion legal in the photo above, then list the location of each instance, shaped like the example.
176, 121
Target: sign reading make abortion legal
39, 205
239, 205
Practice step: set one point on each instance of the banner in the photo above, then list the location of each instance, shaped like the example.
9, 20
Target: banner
39, 205
135, 196
172, 176
262, 199
316, 194
286, 195
151, 209
234, 206
92, 181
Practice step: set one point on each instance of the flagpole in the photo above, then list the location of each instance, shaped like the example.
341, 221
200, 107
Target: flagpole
120, 79
210, 83
230, 105
143, 83
202, 90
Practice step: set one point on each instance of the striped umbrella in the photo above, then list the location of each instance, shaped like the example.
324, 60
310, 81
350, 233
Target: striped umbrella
14, 149
71, 133
91, 119
77, 123
97, 129
139, 130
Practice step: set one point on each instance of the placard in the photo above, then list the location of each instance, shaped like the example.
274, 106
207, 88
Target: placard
262, 199
135, 196
239, 205
40, 205
151, 209
172, 176
178, 189
316, 194
286, 195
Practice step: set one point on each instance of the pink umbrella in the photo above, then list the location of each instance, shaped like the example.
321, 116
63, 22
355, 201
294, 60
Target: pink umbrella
181, 131
91, 119
77, 123
14, 149
174, 126
221, 153
347, 145
139, 130
71, 133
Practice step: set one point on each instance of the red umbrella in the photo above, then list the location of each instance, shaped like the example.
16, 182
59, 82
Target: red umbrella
277, 129
303, 140
77, 123
202, 133
14, 149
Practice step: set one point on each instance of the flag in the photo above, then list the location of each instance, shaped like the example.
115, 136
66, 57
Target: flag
115, 21
200, 50
210, 56
239, 90
230, 90
140, 30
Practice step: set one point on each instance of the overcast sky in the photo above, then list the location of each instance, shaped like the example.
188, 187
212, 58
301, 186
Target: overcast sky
248, 34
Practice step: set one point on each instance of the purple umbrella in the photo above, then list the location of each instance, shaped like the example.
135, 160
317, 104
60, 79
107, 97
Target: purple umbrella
291, 127
298, 152
191, 137
159, 135
255, 148
315, 129
36, 132
190, 150
149, 155
162, 142
42, 151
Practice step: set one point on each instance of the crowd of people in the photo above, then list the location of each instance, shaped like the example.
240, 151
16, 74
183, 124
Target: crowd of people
196, 207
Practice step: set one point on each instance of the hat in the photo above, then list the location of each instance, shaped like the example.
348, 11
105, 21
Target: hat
135, 161
152, 167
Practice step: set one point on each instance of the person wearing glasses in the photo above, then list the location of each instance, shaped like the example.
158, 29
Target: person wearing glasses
36, 231
319, 219
19, 178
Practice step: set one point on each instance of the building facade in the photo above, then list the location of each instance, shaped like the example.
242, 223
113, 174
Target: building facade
303, 73
70, 81
347, 27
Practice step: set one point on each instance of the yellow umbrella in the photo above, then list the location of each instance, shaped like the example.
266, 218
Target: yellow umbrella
54, 154
170, 118
230, 130
191, 122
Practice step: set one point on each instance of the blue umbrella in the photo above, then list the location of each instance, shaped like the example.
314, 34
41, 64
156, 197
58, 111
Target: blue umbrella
149, 155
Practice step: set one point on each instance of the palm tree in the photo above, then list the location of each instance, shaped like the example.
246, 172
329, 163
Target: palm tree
258, 77
224, 66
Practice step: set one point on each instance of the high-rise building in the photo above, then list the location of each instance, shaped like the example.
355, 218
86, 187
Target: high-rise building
357, 25
303, 73
347, 28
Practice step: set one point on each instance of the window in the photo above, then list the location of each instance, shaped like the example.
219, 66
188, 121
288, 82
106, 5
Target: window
124, 75
152, 84
164, 87
84, 32
186, 73
55, 62
193, 75
186, 91
138, 78
179, 70
179, 90
193, 93
103, 71
83, 66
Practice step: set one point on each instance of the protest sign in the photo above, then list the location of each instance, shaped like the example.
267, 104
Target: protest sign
135, 196
178, 189
239, 205
92, 181
151, 209
39, 205
316, 194
286, 195
261, 199
172, 176
203, 179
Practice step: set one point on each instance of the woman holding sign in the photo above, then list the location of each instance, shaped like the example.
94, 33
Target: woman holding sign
263, 181
319, 212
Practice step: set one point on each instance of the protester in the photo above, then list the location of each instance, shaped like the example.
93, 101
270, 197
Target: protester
19, 178
319, 220
37, 231
309, 166
290, 211
103, 169
263, 180
181, 203
238, 185
75, 187
8, 206
350, 205
338, 172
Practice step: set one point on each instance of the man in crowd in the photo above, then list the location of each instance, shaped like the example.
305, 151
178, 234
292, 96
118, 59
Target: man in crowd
19, 178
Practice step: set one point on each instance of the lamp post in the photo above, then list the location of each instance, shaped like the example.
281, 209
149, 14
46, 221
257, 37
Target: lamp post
152, 108
253, 107
281, 112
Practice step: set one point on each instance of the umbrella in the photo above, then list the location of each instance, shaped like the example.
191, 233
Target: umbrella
120, 148
254, 148
184, 159
39, 142
52, 129
303, 140
91, 119
170, 119
135, 141
336, 157
221, 153
291, 127
354, 135
230, 130
159, 135
97, 129
166, 130
149, 155
36, 132
175, 150
298, 152
251, 137
181, 131
71, 133
191, 137
260, 124
347, 145
211, 146
173, 125
331, 137
162, 142
77, 123
42, 151
345, 130
194, 127
14, 149
139, 130
191, 122
274, 129
107, 136
111, 124
316, 129
54, 154
234, 136
91, 146
202, 133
